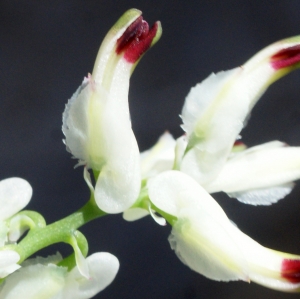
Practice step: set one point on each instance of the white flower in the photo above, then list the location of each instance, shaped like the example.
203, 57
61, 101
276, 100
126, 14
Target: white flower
259, 175
43, 279
216, 110
206, 240
96, 121
15, 194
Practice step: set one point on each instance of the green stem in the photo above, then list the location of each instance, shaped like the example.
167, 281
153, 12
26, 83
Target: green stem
59, 231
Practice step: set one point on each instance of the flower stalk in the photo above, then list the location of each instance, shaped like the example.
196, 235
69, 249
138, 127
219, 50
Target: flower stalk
59, 231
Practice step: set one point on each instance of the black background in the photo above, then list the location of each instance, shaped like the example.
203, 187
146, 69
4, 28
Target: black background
46, 47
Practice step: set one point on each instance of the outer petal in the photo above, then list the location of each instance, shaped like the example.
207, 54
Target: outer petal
172, 191
215, 110
103, 268
134, 214
8, 262
15, 194
202, 235
40, 278
205, 245
35, 282
160, 157
118, 184
180, 148
269, 165
81, 262
270, 268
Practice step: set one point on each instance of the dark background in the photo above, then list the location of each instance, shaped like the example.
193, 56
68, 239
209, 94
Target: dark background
46, 47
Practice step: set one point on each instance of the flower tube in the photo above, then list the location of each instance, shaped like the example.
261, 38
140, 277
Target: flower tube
206, 240
215, 110
96, 121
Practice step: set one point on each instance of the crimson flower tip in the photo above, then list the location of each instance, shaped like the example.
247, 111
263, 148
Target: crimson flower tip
286, 57
290, 270
137, 39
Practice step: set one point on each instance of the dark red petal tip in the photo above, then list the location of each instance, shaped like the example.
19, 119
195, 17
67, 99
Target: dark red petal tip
136, 40
286, 57
290, 270
239, 143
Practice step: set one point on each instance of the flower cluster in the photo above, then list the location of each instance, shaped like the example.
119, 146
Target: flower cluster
209, 159
174, 178
96, 124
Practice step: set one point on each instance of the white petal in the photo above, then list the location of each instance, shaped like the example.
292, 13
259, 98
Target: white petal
201, 98
75, 124
172, 191
118, 184
266, 265
103, 269
158, 158
133, 214
180, 148
8, 262
265, 196
159, 220
35, 282
205, 245
275, 283
15, 194
265, 166
214, 114
81, 262
41, 279
88, 180
51, 259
